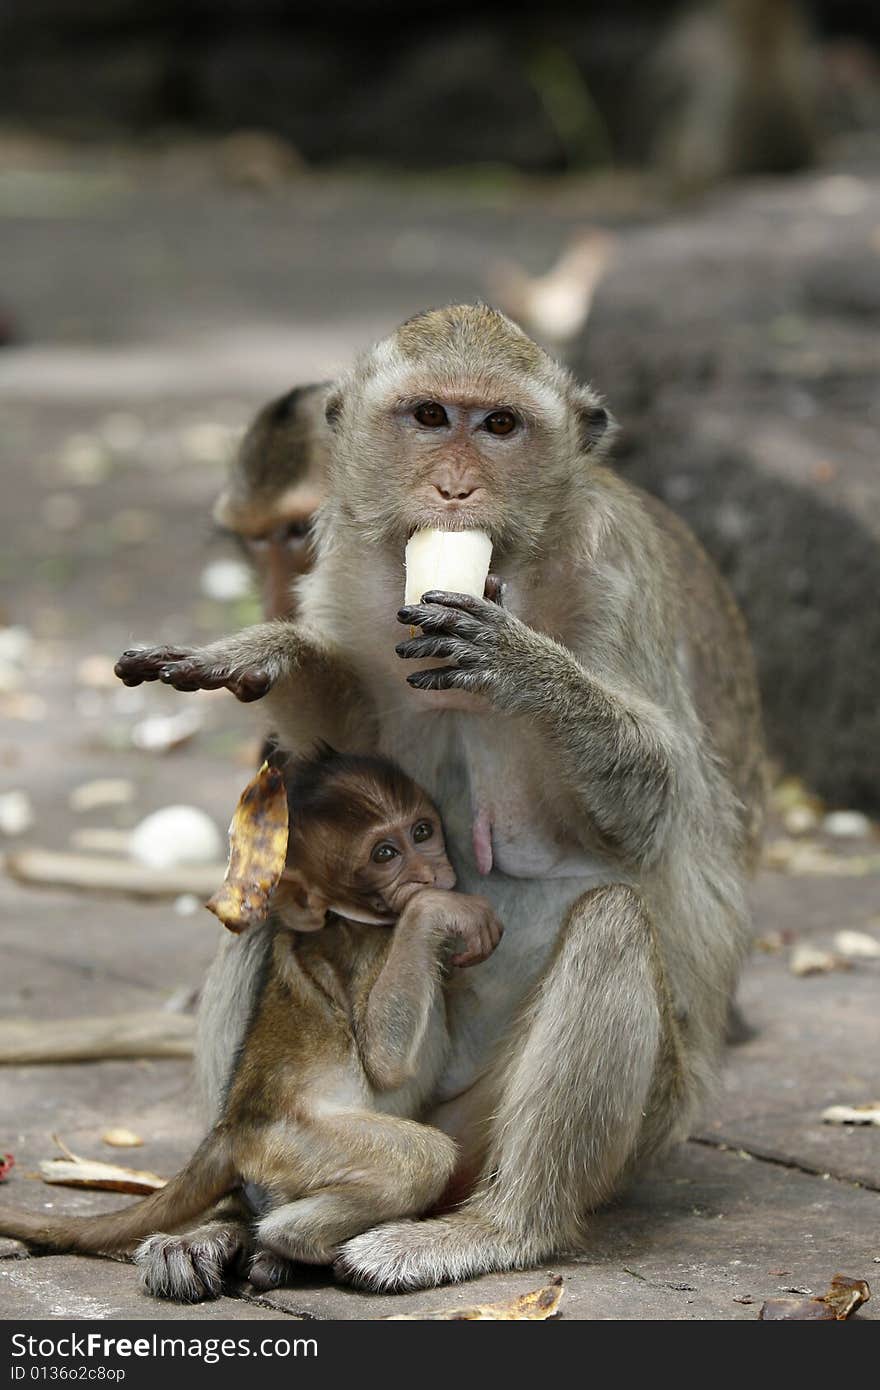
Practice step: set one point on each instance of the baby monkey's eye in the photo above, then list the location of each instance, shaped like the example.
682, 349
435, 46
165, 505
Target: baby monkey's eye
422, 830
500, 422
432, 415
382, 853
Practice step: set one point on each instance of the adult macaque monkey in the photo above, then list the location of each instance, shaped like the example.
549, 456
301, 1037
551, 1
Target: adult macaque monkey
594, 748
345, 1045
275, 486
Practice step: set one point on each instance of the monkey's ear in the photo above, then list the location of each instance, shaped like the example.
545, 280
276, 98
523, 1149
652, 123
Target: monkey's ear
596, 424
304, 908
333, 408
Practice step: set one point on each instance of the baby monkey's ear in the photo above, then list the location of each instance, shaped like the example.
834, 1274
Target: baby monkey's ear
302, 907
596, 425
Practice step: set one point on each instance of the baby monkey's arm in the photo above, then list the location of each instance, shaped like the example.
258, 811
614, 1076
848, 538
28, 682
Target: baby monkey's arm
390, 1027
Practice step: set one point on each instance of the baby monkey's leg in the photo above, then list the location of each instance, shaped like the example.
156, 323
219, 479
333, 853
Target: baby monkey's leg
383, 1168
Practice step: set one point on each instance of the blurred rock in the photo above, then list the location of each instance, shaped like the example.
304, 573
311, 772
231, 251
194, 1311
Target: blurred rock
16, 813
176, 835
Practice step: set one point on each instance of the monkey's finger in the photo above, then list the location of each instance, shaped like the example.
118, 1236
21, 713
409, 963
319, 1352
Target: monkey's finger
429, 646
478, 949
479, 608
251, 685
433, 618
471, 956
494, 590
445, 678
192, 675
144, 663
495, 931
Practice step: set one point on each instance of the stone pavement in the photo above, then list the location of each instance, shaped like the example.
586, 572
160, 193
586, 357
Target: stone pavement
155, 316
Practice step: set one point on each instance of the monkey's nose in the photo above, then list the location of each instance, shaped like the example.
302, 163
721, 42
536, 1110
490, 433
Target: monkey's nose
454, 492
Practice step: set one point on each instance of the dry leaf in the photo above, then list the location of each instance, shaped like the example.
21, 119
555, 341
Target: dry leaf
73, 1171
536, 1306
257, 852
868, 1114
810, 960
839, 1302
121, 1139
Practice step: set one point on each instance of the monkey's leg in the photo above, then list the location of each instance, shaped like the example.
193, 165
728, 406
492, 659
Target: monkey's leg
385, 1167
191, 1266
594, 1081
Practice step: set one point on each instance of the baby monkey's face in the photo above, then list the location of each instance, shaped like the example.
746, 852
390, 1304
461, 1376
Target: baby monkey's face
399, 858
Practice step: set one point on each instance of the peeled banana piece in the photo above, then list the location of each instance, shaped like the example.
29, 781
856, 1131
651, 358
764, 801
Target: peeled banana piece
456, 561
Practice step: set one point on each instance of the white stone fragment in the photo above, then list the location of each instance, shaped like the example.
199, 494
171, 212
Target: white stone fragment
811, 960
226, 580
853, 1114
847, 825
161, 732
176, 835
16, 813
187, 904
857, 945
105, 791
16, 645
457, 561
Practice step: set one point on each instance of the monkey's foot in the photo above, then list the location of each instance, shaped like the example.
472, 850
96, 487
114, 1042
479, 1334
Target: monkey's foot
188, 1268
187, 669
421, 1254
268, 1271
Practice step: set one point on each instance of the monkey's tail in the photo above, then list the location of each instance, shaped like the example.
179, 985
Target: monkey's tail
208, 1176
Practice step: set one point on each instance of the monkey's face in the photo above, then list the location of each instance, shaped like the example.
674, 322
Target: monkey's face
398, 859
459, 421
371, 840
275, 488
278, 545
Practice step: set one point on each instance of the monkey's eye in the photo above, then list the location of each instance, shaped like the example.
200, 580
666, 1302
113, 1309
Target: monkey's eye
422, 830
382, 853
500, 422
296, 531
431, 415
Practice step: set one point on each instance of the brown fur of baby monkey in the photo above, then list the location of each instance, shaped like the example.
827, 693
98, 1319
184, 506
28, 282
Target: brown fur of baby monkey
345, 1044
593, 745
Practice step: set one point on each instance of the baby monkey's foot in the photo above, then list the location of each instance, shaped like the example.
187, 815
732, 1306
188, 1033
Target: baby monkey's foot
268, 1271
193, 669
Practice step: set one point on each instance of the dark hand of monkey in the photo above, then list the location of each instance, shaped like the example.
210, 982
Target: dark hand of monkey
483, 639
186, 669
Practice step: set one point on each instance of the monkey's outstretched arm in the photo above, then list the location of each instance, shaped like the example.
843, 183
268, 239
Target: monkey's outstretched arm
616, 749
391, 1022
308, 687
248, 663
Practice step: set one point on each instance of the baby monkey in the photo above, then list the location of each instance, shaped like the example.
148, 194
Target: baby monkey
346, 1043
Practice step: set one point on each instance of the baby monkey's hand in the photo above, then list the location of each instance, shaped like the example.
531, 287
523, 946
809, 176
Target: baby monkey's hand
460, 916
